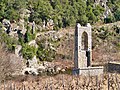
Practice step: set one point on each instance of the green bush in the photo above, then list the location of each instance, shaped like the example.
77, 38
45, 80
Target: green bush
9, 42
109, 19
117, 14
45, 53
29, 36
28, 51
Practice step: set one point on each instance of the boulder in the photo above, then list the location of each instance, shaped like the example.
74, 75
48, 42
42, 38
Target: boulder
34, 62
31, 71
50, 70
6, 23
63, 70
33, 43
57, 69
17, 50
41, 69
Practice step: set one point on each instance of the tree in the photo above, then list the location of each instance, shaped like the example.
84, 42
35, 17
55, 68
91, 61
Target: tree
83, 20
117, 14
45, 52
7, 41
91, 17
29, 35
2, 9
90, 2
12, 14
42, 9
109, 19
79, 12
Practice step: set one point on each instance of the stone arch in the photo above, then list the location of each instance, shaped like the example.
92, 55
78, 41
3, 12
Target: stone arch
84, 41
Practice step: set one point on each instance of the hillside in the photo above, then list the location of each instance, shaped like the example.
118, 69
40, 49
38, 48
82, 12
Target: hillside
40, 33
35, 25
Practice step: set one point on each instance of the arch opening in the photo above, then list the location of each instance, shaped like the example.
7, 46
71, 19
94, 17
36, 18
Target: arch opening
84, 42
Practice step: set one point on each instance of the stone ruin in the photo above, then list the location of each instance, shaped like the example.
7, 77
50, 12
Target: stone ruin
83, 52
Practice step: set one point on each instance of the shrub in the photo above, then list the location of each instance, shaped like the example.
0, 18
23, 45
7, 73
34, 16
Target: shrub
8, 41
28, 51
45, 53
109, 19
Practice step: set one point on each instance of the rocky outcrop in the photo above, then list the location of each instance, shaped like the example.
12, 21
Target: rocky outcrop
33, 43
47, 68
17, 50
6, 23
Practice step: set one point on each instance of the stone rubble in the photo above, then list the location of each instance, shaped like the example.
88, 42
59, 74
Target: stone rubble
43, 68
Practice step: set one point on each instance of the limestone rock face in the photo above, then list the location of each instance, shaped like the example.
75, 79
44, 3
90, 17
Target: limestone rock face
33, 43
31, 71
33, 63
6, 23
17, 50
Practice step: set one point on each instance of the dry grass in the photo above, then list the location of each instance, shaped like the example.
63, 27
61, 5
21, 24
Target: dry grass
66, 82
9, 64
